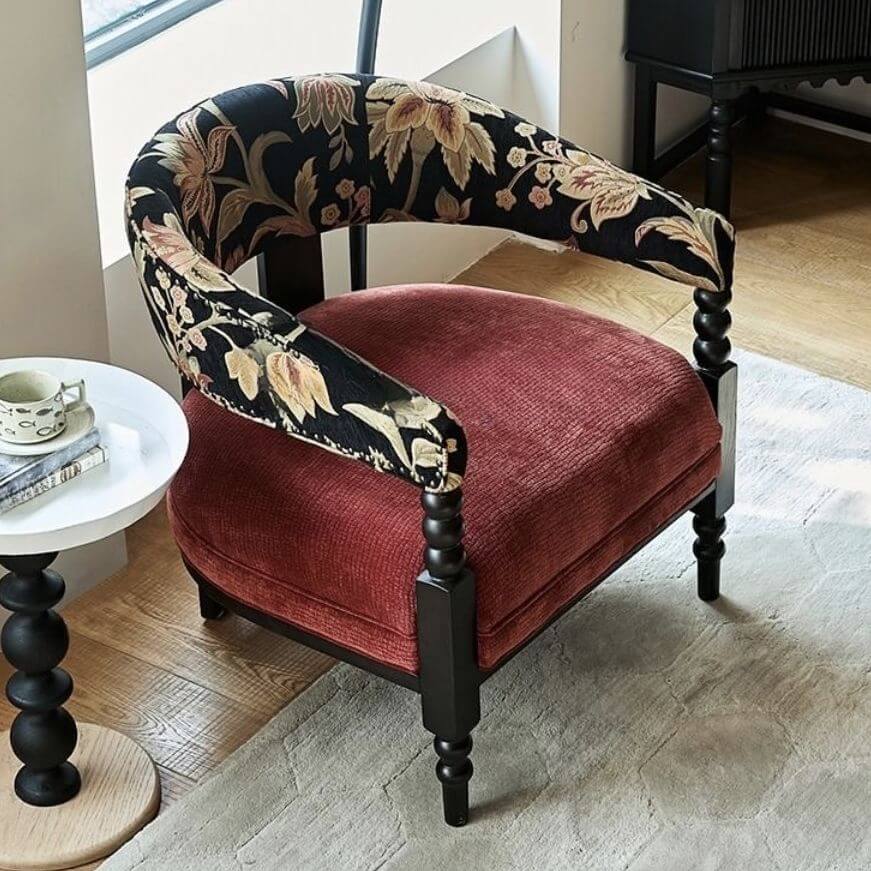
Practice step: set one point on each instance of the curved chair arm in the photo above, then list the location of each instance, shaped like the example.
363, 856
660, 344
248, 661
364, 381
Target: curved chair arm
486, 166
252, 357
305, 155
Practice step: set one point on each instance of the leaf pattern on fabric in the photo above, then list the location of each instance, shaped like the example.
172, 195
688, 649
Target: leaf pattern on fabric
384, 424
424, 115
300, 156
244, 369
698, 233
298, 383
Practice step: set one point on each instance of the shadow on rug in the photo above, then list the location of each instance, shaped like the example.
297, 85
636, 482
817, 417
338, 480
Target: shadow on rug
645, 730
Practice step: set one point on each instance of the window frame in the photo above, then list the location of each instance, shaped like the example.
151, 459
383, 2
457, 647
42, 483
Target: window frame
113, 39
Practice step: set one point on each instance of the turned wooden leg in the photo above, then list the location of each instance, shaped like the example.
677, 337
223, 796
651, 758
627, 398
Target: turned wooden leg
718, 188
454, 770
720, 376
35, 640
447, 641
709, 549
209, 608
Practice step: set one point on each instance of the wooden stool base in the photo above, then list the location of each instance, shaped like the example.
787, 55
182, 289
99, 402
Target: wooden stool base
120, 794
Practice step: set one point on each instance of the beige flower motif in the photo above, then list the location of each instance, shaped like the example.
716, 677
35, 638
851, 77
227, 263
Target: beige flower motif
324, 101
516, 157
299, 384
162, 278
540, 197
170, 244
426, 115
505, 199
197, 339
524, 128
173, 324
186, 315
561, 172
362, 199
330, 214
193, 160
345, 188
550, 146
243, 368
543, 172
610, 191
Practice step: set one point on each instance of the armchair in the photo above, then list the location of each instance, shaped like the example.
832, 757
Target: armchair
577, 440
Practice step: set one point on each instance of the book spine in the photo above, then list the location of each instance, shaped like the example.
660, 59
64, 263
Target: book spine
94, 457
48, 464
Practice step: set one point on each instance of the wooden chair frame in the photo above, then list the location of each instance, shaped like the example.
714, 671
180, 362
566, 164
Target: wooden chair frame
291, 275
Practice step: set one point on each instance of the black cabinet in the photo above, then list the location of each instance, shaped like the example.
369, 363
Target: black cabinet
728, 49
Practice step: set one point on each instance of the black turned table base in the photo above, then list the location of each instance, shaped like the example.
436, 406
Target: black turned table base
51, 816
34, 640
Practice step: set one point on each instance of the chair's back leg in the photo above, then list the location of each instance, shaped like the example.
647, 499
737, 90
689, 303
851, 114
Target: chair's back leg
290, 272
720, 376
367, 43
447, 641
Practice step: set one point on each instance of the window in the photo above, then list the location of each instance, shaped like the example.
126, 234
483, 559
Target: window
113, 26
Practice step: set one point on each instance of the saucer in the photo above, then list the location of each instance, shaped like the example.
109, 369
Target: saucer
79, 422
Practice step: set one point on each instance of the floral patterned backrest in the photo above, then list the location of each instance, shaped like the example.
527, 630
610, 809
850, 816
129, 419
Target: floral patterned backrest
305, 155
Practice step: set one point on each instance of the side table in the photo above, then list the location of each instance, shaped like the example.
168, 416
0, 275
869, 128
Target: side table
81, 792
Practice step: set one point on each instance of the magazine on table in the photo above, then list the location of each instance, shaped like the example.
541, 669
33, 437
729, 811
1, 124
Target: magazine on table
24, 478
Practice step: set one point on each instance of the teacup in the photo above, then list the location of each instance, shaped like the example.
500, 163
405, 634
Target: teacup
33, 406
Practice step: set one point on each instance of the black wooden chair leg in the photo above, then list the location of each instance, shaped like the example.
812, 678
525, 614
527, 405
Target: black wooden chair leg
711, 349
709, 548
209, 608
447, 643
454, 770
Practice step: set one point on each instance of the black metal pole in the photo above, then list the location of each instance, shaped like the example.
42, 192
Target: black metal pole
367, 42
35, 640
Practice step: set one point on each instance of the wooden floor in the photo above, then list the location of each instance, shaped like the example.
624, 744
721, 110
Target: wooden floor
190, 692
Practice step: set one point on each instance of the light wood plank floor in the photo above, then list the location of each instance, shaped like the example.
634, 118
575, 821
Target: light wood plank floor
190, 692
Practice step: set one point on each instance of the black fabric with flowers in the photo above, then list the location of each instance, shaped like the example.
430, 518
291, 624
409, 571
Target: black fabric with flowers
306, 155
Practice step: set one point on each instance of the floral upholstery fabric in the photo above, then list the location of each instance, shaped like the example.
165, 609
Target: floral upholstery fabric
306, 155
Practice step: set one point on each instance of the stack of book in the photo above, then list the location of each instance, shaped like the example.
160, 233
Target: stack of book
25, 478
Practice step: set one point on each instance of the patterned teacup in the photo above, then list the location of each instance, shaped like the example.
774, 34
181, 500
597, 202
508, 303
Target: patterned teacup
33, 406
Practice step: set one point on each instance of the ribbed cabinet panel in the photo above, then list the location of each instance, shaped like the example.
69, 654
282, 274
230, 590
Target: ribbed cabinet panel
794, 32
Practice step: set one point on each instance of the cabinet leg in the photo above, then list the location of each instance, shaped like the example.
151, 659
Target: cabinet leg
718, 183
644, 136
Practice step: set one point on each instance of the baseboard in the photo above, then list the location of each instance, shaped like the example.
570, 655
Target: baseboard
828, 118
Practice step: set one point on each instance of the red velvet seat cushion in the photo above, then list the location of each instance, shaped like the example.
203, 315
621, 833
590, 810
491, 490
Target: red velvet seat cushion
584, 436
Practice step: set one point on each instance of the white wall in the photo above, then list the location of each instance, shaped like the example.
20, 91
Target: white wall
473, 47
596, 84
51, 283
50, 272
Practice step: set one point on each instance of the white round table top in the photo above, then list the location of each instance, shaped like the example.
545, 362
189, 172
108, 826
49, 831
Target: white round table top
145, 435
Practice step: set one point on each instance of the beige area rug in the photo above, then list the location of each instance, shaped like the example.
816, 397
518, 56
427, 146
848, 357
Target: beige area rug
646, 730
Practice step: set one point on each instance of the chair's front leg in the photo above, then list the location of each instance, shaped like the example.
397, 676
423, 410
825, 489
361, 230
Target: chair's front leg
711, 350
447, 639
